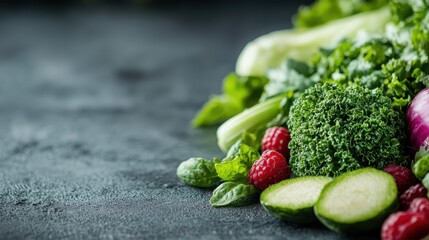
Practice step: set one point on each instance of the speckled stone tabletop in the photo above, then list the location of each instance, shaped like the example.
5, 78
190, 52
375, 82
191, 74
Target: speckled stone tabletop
95, 105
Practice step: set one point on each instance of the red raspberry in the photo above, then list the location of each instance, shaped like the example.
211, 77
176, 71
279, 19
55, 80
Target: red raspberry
415, 191
404, 178
269, 169
420, 205
276, 138
405, 226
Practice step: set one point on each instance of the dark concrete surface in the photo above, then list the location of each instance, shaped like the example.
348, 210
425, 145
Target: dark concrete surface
95, 105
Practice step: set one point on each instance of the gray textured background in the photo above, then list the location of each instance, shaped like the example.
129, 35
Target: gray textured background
95, 105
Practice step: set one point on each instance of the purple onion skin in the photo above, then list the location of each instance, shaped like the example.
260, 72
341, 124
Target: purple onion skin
418, 120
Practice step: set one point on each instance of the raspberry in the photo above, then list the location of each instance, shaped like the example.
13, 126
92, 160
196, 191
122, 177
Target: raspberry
420, 205
415, 191
276, 138
404, 177
269, 169
405, 225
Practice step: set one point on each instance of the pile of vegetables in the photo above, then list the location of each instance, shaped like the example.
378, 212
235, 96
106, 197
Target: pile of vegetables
350, 82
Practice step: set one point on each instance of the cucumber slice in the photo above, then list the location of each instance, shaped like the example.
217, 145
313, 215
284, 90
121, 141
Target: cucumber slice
293, 199
357, 201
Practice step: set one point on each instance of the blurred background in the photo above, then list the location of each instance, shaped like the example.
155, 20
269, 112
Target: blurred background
86, 55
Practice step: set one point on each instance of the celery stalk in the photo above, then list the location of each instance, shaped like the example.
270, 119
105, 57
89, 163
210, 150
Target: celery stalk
250, 119
272, 49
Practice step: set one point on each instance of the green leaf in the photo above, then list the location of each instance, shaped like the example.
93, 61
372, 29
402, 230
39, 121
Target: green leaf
244, 89
216, 110
239, 93
323, 11
270, 50
425, 181
251, 139
236, 167
291, 76
423, 152
198, 172
234, 194
421, 167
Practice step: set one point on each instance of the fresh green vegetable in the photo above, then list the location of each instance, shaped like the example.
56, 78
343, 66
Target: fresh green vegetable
386, 60
234, 170
357, 201
237, 166
198, 172
293, 199
234, 194
425, 181
239, 94
421, 163
270, 50
291, 76
251, 139
249, 120
323, 11
421, 168
338, 129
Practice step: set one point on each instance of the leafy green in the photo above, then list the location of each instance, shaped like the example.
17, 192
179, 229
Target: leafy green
423, 152
387, 62
270, 50
234, 194
251, 139
239, 94
237, 166
337, 129
425, 182
323, 11
198, 172
420, 165
290, 77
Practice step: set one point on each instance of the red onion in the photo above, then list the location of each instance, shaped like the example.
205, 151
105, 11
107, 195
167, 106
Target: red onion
418, 120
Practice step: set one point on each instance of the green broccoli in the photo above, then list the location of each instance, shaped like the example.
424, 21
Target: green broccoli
335, 129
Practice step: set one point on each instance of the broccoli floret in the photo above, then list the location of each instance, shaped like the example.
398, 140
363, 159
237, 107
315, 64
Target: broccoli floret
337, 129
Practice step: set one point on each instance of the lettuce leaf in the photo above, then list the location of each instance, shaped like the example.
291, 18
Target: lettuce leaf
323, 11
239, 94
236, 167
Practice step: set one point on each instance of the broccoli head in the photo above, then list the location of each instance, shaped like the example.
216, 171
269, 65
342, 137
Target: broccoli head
335, 129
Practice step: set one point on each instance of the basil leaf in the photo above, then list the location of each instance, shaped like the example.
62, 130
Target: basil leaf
251, 139
236, 167
421, 167
234, 194
198, 172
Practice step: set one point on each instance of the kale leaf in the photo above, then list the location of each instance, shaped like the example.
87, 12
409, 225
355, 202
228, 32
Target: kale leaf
336, 129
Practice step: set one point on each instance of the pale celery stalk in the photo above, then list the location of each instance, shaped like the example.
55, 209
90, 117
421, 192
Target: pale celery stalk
270, 50
250, 119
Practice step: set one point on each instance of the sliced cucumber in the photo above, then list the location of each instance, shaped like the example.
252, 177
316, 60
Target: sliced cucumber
293, 199
357, 201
